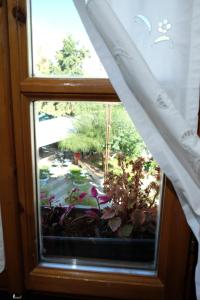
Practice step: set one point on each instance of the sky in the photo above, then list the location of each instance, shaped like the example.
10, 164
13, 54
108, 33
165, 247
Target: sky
52, 20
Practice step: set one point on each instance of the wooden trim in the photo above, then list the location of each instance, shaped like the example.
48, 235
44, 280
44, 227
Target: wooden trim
18, 46
71, 97
3, 281
93, 284
19, 71
8, 182
175, 237
72, 88
27, 203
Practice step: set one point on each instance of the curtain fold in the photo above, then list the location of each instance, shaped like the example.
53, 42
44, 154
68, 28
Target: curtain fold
151, 52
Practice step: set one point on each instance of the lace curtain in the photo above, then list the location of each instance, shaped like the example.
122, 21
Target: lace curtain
151, 52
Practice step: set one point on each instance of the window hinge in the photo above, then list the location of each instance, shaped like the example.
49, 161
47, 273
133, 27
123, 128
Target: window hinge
19, 15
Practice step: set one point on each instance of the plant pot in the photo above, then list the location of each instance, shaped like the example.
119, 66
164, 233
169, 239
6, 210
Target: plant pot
80, 185
107, 247
44, 181
135, 250
77, 157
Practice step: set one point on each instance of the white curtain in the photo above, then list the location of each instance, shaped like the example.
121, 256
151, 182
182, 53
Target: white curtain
151, 52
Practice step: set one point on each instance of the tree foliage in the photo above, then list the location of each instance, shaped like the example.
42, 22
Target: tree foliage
57, 109
69, 59
89, 125
125, 137
69, 62
90, 131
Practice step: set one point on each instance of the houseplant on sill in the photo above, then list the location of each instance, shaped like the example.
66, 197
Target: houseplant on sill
124, 218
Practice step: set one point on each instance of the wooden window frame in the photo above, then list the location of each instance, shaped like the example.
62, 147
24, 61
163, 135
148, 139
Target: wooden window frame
175, 236
8, 179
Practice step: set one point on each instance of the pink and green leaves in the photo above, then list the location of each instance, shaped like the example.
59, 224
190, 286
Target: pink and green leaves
101, 199
94, 192
115, 223
82, 196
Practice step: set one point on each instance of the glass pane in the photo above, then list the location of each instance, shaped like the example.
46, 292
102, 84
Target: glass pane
98, 186
60, 44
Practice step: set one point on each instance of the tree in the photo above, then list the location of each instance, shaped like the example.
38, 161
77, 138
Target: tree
125, 137
69, 62
57, 109
44, 66
89, 129
90, 124
90, 132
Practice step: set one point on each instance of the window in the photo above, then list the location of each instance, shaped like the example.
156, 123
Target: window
28, 94
98, 186
54, 38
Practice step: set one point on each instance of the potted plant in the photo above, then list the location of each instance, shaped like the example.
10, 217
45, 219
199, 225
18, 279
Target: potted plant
44, 175
78, 178
134, 193
78, 196
122, 226
77, 157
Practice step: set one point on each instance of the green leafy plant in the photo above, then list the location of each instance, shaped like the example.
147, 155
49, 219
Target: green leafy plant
128, 209
71, 221
76, 175
125, 137
89, 131
44, 172
46, 198
133, 209
78, 196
